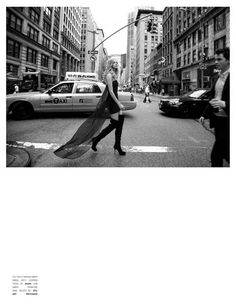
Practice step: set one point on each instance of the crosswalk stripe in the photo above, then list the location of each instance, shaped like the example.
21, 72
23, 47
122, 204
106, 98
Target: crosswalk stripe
54, 146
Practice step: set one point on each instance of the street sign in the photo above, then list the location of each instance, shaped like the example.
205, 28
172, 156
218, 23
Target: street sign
93, 58
93, 52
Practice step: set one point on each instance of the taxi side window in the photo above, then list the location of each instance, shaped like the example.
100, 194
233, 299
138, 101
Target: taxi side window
83, 88
63, 88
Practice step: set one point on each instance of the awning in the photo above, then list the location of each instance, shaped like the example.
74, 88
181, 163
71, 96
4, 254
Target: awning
30, 73
169, 81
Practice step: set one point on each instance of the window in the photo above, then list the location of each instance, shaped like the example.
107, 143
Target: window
87, 88
189, 58
178, 49
220, 22
199, 55
44, 60
46, 42
14, 22
56, 21
189, 42
220, 43
185, 59
31, 55
54, 64
46, 26
185, 44
13, 48
33, 33
34, 16
178, 64
63, 88
205, 30
194, 38
48, 12
55, 34
194, 56
55, 47
199, 34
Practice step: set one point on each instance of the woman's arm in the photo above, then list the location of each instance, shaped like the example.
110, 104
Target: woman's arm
110, 88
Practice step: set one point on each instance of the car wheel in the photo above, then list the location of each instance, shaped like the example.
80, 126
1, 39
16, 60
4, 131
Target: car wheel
22, 110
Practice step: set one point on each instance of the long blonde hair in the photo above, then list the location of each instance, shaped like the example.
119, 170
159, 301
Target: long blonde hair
110, 69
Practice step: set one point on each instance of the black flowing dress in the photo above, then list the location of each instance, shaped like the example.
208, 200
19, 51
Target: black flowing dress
111, 104
81, 141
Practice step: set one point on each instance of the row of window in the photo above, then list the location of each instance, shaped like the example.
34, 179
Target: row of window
13, 50
198, 56
16, 23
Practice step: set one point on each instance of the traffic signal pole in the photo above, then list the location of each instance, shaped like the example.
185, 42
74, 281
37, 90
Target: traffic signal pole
120, 30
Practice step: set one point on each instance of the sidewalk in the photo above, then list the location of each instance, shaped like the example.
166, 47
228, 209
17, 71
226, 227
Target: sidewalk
17, 157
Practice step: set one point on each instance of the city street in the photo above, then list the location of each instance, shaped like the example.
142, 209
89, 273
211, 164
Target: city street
151, 139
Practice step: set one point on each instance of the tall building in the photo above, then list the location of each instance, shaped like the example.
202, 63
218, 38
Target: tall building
33, 46
130, 49
92, 36
42, 44
145, 41
131, 45
199, 32
70, 39
190, 37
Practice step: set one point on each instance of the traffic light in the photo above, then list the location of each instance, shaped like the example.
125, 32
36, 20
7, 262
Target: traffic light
154, 29
149, 25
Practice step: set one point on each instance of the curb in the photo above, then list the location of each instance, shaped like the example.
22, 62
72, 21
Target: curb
17, 157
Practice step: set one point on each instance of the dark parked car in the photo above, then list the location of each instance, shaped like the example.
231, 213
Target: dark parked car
191, 104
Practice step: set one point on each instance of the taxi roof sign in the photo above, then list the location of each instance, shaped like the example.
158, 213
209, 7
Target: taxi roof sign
73, 75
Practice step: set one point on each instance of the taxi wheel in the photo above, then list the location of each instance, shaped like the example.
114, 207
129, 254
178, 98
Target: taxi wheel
22, 110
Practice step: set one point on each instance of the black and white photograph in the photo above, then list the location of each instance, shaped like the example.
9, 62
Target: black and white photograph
118, 154
158, 98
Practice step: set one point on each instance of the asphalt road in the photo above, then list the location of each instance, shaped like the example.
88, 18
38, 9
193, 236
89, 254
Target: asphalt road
150, 138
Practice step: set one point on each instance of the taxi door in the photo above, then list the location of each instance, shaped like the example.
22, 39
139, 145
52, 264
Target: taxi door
86, 96
58, 99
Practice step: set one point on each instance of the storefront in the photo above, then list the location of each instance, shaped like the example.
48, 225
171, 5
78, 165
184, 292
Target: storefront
169, 86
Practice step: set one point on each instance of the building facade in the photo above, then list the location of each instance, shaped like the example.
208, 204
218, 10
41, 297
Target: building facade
33, 46
145, 42
70, 39
92, 36
191, 36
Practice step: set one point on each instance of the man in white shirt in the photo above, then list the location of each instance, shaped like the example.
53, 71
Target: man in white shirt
218, 109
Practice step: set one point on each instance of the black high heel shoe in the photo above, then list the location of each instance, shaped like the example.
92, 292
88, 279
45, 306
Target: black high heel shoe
94, 148
119, 149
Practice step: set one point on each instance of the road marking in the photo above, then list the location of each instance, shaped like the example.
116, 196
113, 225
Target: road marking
54, 146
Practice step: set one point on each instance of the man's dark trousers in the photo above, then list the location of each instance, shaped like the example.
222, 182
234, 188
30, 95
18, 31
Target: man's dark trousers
221, 146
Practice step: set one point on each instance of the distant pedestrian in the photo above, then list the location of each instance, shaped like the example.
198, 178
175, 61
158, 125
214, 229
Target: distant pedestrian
218, 109
147, 93
16, 88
